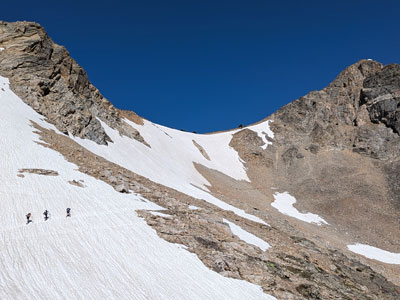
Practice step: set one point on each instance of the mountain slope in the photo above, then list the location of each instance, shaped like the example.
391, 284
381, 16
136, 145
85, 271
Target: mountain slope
103, 247
287, 204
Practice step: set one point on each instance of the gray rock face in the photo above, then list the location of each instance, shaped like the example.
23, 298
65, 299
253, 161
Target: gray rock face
381, 95
357, 111
44, 76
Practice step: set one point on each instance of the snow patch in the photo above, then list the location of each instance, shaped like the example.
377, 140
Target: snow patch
182, 246
193, 207
160, 214
247, 236
375, 253
284, 203
263, 130
1, 49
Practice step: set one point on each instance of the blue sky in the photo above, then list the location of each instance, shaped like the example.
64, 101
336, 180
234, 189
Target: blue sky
212, 65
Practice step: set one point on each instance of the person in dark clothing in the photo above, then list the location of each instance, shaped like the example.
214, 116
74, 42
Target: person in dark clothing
68, 212
28, 218
46, 214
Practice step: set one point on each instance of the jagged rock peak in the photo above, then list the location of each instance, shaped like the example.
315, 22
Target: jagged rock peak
354, 75
44, 76
357, 111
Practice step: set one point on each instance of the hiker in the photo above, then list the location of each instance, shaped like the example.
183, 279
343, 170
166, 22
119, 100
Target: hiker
68, 212
28, 217
46, 214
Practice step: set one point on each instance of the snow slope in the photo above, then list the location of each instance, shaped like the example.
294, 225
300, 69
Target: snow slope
104, 251
170, 160
284, 203
375, 253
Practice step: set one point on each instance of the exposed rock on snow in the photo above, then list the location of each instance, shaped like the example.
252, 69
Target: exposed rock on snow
77, 183
39, 172
201, 149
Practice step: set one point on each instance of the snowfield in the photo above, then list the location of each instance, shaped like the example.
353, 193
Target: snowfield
375, 253
284, 204
104, 251
170, 160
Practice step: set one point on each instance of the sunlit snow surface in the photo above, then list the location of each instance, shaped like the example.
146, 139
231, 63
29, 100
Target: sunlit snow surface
284, 203
375, 253
247, 236
170, 160
1, 49
104, 251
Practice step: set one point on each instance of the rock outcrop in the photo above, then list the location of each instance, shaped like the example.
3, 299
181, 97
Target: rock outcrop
357, 111
338, 152
45, 76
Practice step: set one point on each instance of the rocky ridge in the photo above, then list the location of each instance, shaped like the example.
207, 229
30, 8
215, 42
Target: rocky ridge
45, 76
357, 111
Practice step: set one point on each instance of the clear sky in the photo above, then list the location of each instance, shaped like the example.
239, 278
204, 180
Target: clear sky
212, 65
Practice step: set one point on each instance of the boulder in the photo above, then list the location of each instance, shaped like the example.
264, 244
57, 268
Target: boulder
122, 188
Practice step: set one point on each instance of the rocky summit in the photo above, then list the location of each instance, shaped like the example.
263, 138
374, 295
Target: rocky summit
304, 204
